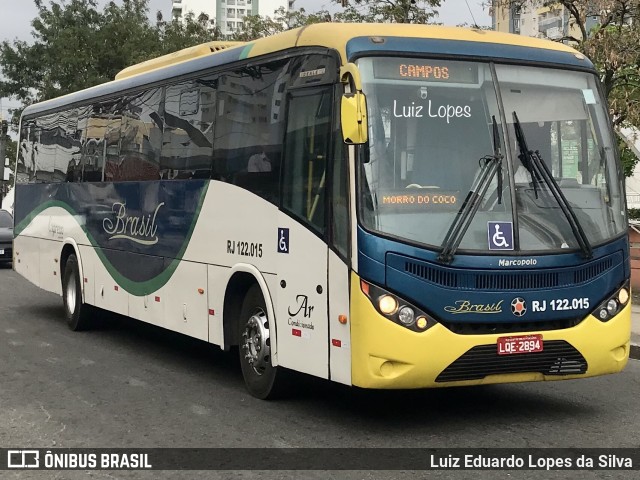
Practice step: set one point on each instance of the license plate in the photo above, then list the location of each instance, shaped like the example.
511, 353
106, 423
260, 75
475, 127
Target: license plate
519, 344
1, 252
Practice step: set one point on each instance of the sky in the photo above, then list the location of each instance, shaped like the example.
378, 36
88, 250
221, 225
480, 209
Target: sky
16, 16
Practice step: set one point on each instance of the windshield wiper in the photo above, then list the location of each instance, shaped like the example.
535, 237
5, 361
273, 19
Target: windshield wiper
540, 173
489, 166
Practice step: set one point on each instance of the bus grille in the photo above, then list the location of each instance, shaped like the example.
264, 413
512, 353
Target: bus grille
557, 358
439, 276
475, 328
592, 270
518, 280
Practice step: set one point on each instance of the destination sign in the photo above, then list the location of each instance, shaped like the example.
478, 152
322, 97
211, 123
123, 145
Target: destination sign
418, 201
412, 69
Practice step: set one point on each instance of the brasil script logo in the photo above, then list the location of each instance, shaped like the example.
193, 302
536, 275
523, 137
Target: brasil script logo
141, 229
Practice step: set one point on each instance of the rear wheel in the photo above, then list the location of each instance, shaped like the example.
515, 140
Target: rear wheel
77, 313
262, 379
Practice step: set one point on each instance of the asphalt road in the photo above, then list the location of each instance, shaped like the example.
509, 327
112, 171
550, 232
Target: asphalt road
127, 384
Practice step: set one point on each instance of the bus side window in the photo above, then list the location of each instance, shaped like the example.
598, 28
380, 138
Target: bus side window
26, 153
48, 138
67, 146
188, 121
112, 164
340, 198
141, 136
91, 140
250, 128
306, 149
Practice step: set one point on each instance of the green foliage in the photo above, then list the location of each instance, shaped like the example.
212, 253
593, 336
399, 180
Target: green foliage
387, 11
356, 11
257, 26
633, 213
189, 31
627, 158
76, 46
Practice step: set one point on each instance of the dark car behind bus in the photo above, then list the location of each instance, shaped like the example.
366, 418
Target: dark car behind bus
6, 237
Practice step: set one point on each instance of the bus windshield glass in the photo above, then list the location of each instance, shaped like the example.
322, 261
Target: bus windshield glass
435, 125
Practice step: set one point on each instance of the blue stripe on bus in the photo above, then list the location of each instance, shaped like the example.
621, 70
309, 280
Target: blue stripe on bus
360, 45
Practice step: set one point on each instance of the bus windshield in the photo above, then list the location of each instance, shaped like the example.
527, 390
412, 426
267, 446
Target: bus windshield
433, 127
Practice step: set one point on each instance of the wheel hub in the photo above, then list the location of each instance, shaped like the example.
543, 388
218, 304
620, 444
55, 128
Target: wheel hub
255, 342
71, 294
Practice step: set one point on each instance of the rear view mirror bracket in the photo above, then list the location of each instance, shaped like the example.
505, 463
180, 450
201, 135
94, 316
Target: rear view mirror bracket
353, 114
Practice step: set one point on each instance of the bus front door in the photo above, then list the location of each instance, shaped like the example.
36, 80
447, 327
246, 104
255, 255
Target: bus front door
302, 301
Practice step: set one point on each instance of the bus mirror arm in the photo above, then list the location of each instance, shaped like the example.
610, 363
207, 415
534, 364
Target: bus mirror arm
353, 111
349, 73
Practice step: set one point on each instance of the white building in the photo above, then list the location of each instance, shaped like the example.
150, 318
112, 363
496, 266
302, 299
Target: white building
535, 18
228, 14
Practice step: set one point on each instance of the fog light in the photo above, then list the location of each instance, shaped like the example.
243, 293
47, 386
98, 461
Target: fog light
387, 304
623, 296
406, 315
421, 323
612, 306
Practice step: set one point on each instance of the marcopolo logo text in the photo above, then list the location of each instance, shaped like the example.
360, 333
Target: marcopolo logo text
518, 262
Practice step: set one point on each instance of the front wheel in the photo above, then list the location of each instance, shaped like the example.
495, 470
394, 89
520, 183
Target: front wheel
262, 379
76, 312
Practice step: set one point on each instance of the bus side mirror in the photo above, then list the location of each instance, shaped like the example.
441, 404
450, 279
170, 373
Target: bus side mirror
353, 117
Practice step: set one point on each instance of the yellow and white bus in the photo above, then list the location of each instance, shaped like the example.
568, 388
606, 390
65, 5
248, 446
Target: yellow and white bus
385, 206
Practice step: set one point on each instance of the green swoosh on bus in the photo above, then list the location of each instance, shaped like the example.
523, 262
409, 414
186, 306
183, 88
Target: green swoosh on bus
137, 289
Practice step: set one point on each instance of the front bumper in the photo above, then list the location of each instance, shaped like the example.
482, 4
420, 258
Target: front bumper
386, 355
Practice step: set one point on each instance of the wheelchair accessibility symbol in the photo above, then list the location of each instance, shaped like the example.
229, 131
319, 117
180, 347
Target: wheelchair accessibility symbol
500, 235
283, 240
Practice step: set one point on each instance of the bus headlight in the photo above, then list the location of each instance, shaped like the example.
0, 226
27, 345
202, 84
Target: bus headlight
406, 315
612, 305
623, 296
387, 304
396, 309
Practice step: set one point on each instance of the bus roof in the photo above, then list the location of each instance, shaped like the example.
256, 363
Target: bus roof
349, 40
176, 57
338, 36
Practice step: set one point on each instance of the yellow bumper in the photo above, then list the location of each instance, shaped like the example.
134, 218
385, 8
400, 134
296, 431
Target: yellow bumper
386, 355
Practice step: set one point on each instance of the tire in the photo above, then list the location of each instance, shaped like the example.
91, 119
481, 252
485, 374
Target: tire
78, 314
263, 380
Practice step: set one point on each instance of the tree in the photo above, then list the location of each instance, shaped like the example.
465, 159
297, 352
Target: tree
387, 11
257, 26
76, 46
189, 31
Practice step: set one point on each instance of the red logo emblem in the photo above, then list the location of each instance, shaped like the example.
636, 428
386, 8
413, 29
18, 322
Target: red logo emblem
518, 307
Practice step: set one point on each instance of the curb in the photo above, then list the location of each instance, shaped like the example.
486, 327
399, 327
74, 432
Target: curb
634, 351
